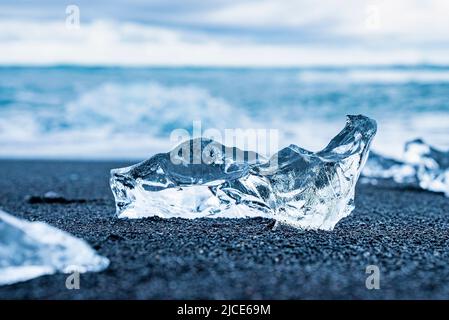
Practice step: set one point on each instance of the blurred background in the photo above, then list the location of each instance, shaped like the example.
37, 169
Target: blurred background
111, 79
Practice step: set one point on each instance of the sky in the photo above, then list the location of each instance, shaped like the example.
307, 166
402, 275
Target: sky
224, 33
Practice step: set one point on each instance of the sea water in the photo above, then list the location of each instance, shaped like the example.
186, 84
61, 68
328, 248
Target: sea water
124, 113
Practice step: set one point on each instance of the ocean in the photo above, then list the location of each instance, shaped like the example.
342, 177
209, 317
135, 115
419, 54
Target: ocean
74, 112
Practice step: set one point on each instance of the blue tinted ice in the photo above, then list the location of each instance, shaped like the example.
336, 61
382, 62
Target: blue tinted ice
202, 178
423, 166
33, 249
379, 167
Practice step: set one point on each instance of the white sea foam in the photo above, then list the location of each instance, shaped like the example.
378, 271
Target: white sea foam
149, 108
116, 120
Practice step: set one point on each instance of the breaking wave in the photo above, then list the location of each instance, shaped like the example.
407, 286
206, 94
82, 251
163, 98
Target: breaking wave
75, 112
114, 120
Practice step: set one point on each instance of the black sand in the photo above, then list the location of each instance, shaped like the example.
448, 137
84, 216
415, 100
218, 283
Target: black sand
404, 232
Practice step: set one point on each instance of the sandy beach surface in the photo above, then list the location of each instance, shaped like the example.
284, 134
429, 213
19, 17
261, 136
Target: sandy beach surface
402, 231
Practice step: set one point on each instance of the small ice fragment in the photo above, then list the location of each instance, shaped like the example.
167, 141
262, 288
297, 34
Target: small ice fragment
32, 249
432, 165
423, 166
52, 195
48, 197
202, 178
383, 168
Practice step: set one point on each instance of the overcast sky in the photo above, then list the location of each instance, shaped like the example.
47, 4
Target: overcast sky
248, 32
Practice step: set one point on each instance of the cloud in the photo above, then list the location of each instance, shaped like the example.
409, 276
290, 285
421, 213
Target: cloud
228, 33
411, 20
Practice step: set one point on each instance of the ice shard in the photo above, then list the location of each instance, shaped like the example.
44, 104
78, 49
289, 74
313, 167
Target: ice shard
432, 165
423, 166
202, 178
32, 249
379, 167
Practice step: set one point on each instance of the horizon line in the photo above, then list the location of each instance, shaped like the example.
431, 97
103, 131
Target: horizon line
405, 66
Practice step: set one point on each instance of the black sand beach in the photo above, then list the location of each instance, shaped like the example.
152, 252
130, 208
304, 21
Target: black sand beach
404, 232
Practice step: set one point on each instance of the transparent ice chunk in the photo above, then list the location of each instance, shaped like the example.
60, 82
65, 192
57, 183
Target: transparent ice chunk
379, 167
423, 166
202, 178
32, 249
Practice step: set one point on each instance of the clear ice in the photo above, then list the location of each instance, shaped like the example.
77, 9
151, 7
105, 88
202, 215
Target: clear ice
32, 249
202, 178
423, 166
379, 167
